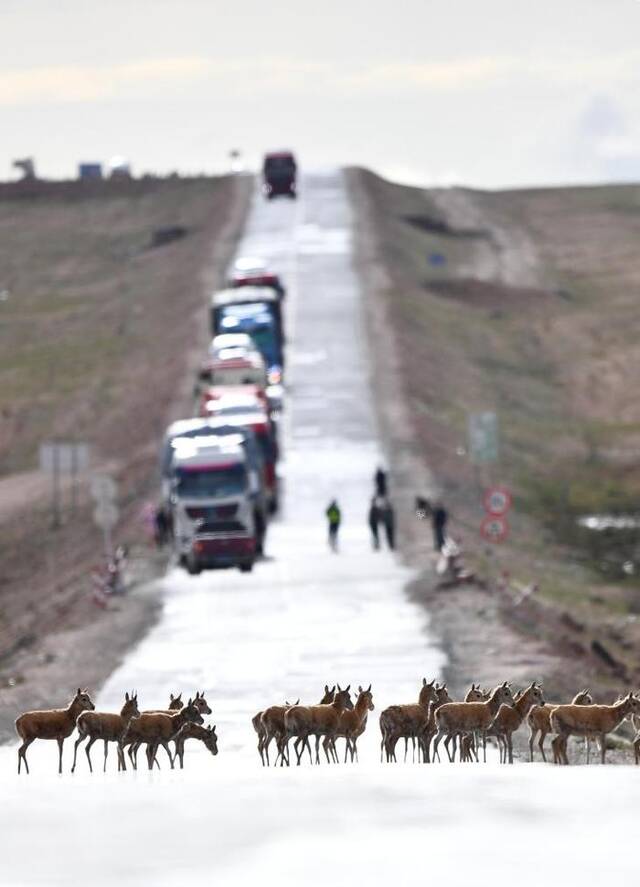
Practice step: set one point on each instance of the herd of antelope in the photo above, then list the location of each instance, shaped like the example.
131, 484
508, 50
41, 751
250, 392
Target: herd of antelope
464, 726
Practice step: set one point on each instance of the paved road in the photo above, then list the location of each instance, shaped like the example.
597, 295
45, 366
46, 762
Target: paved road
304, 618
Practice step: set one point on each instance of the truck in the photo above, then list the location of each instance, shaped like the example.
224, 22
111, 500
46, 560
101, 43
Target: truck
257, 311
279, 170
217, 431
211, 506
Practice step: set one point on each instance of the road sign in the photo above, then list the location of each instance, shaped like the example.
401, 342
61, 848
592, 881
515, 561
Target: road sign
483, 437
61, 457
103, 488
494, 529
497, 501
105, 515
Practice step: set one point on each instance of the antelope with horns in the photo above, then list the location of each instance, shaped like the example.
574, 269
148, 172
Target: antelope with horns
539, 720
405, 721
261, 729
206, 735
106, 726
303, 721
55, 723
509, 719
589, 720
159, 728
467, 717
353, 723
273, 723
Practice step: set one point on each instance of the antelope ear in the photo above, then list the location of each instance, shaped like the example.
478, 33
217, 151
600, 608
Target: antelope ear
126, 697
326, 688
432, 682
369, 690
347, 688
190, 702
424, 682
79, 691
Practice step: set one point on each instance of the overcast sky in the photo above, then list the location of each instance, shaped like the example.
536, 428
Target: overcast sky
484, 92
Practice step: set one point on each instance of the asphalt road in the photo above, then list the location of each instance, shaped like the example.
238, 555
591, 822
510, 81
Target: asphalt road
303, 618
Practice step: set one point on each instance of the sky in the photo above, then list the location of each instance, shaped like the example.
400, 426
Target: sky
489, 93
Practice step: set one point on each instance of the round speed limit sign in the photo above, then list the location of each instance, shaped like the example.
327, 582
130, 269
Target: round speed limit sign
494, 529
497, 501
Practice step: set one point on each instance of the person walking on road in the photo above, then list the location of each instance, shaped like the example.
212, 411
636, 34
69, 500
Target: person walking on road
334, 517
374, 520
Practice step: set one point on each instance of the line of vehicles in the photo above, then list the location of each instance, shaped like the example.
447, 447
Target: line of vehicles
219, 479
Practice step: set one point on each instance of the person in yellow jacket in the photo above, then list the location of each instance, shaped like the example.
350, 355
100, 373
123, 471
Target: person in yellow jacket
334, 516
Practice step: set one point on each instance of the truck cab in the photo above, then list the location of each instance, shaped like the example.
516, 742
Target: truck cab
212, 508
279, 171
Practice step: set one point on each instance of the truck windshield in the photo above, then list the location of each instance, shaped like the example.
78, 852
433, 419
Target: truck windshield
257, 320
211, 483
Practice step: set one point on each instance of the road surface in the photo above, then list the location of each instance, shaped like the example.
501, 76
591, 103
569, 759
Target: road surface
303, 618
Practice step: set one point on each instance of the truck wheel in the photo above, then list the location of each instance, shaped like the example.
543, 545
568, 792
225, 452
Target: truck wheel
193, 567
246, 568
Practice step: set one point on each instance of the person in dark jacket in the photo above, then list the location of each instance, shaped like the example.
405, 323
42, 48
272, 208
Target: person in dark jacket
389, 522
334, 517
380, 481
374, 520
439, 517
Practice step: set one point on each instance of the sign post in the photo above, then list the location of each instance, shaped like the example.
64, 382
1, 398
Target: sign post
58, 458
105, 514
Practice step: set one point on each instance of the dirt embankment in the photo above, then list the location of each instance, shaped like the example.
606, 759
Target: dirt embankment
512, 302
100, 333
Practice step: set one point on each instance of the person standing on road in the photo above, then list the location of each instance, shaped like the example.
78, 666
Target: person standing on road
389, 522
439, 517
374, 520
380, 481
334, 517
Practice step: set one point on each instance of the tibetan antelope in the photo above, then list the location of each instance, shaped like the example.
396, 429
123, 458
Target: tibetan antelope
55, 723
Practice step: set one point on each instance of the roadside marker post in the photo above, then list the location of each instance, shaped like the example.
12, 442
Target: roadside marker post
494, 529
59, 458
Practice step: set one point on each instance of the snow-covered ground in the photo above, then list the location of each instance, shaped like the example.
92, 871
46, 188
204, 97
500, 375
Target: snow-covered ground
303, 618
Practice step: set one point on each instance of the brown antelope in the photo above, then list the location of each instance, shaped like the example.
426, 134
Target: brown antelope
405, 721
589, 720
468, 748
509, 718
206, 735
467, 717
175, 704
273, 722
539, 721
354, 722
473, 694
429, 728
303, 721
106, 726
159, 728
636, 748
55, 723
261, 730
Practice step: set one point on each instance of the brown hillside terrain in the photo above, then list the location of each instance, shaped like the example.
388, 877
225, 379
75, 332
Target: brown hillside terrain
99, 334
532, 313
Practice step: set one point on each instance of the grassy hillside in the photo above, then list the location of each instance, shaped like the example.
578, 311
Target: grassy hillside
531, 311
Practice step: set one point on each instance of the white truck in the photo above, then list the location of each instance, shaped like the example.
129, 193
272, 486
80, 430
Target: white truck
212, 506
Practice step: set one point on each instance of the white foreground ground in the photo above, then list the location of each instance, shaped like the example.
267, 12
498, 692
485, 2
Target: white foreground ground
304, 618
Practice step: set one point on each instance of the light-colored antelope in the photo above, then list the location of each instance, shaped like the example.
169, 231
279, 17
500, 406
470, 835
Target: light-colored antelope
589, 720
206, 735
353, 723
469, 717
273, 722
509, 718
159, 728
303, 721
539, 720
261, 729
405, 721
429, 728
473, 694
55, 723
107, 726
